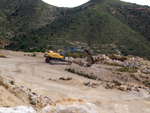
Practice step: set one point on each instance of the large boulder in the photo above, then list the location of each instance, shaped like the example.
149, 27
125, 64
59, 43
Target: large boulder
18, 109
122, 87
70, 106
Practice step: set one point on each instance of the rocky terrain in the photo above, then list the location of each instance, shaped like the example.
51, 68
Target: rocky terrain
114, 84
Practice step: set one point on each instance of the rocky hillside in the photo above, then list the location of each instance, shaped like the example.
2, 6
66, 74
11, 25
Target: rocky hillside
107, 26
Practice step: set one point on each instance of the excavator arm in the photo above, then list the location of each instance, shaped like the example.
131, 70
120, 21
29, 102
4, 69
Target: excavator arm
79, 48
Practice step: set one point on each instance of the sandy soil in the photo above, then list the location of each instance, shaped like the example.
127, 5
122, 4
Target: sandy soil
34, 73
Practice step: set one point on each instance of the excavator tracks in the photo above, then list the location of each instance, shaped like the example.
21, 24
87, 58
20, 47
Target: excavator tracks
59, 62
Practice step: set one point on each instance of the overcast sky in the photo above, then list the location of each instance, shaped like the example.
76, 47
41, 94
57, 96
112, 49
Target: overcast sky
140, 2
66, 3
75, 3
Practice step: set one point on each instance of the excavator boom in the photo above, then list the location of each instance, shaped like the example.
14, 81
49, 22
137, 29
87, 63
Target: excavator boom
79, 48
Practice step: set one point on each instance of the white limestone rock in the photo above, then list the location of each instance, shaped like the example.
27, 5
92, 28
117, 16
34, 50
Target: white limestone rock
71, 106
18, 109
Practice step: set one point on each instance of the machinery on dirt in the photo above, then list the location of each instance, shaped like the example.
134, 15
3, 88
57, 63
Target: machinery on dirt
2, 56
61, 54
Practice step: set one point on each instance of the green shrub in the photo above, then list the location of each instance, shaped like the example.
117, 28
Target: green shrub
23, 46
86, 84
34, 55
124, 69
50, 47
69, 78
30, 98
1, 47
71, 70
116, 83
12, 82
65, 79
62, 78
32, 102
127, 69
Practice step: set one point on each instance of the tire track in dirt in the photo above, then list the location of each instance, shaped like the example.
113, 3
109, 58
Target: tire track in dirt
32, 68
18, 69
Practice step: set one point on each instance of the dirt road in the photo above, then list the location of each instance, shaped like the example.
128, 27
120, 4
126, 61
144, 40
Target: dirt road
34, 73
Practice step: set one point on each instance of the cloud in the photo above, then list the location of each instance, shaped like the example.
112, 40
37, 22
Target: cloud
140, 2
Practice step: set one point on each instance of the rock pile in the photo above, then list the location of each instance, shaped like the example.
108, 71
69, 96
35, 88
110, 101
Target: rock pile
38, 101
125, 86
59, 106
34, 98
82, 62
92, 85
132, 87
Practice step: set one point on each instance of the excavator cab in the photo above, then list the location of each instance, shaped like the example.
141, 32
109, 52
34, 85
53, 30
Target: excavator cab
60, 52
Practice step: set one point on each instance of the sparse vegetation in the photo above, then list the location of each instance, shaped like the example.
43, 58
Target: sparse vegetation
34, 55
65, 79
51, 28
99, 79
70, 70
30, 98
127, 69
117, 83
77, 54
124, 69
12, 82
32, 102
114, 64
69, 78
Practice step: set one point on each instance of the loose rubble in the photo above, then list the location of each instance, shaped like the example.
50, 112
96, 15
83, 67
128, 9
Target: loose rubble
38, 101
132, 73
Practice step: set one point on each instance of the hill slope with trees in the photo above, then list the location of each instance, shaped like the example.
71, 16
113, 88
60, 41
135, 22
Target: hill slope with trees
107, 26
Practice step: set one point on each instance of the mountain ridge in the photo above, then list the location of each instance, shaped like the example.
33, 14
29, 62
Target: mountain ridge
108, 26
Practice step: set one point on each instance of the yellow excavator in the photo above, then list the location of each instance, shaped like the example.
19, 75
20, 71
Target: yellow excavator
61, 54
2, 56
